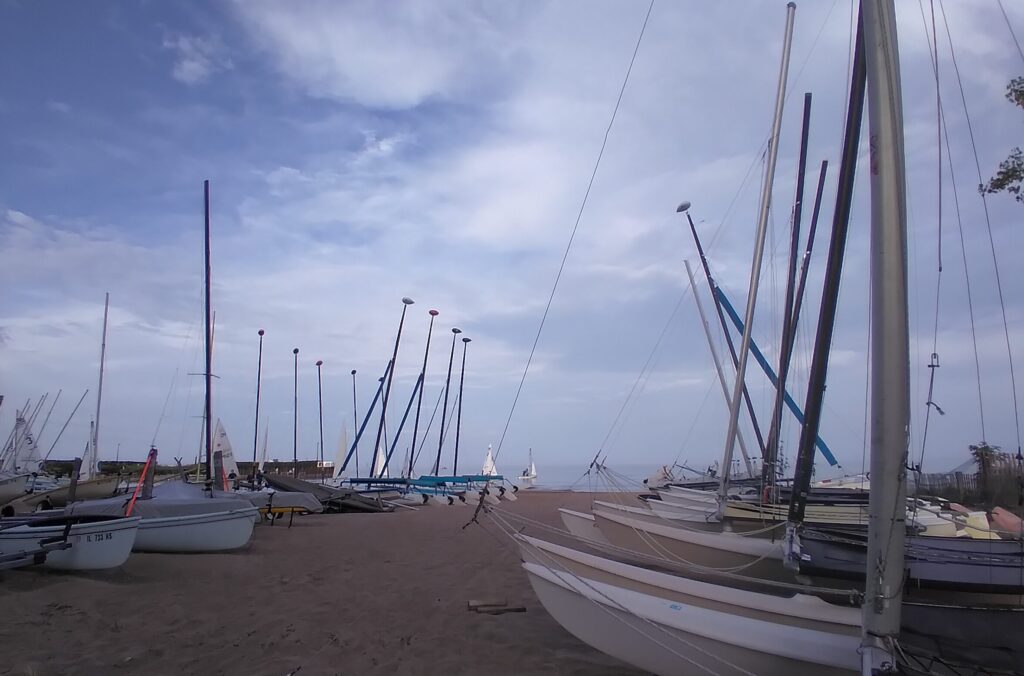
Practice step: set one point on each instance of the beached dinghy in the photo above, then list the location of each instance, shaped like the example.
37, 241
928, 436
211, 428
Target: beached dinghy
582, 525
95, 542
183, 525
673, 638
12, 486
101, 487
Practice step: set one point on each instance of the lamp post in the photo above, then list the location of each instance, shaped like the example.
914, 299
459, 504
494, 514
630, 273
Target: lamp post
256, 432
355, 420
320, 397
295, 418
458, 422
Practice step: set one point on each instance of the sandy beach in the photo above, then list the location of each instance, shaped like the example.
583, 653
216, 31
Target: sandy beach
334, 594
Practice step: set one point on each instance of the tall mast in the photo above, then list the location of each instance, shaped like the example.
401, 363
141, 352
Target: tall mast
713, 287
94, 455
830, 290
256, 426
788, 326
406, 302
208, 423
755, 270
711, 345
444, 407
423, 386
890, 341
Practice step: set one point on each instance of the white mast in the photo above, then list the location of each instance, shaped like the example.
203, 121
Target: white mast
714, 356
93, 460
890, 344
755, 270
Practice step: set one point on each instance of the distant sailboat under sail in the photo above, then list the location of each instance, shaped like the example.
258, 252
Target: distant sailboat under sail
529, 476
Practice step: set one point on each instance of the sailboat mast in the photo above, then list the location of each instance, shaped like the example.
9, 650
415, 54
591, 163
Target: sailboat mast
207, 421
755, 269
94, 456
890, 340
789, 311
714, 352
830, 291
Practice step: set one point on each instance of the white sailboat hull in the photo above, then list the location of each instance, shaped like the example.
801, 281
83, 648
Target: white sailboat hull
758, 557
582, 526
684, 512
93, 489
95, 545
670, 638
213, 532
12, 487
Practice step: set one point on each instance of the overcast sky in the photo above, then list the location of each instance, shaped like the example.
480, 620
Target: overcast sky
360, 152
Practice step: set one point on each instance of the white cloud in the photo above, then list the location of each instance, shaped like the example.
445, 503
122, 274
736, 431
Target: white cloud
58, 107
197, 58
388, 55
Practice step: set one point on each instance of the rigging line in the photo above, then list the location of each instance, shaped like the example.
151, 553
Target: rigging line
575, 228
1010, 27
429, 425
160, 420
933, 363
643, 370
988, 222
963, 255
696, 419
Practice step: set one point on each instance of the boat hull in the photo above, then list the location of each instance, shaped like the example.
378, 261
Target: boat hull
670, 638
96, 543
754, 556
582, 526
12, 487
94, 489
195, 533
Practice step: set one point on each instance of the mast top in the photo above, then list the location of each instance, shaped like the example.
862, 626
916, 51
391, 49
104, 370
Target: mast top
456, 330
685, 206
408, 301
434, 313
261, 332
467, 340
319, 362
295, 351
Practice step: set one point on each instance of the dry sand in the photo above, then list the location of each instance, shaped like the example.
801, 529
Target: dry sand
334, 594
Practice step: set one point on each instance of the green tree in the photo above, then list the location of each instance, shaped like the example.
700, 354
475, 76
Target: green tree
1010, 176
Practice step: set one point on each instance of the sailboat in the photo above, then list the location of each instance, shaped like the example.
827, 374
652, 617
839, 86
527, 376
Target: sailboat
222, 445
677, 624
528, 478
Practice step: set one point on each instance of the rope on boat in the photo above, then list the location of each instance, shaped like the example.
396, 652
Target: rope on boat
575, 228
555, 565
851, 594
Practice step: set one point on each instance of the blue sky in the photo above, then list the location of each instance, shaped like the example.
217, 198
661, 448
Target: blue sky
360, 152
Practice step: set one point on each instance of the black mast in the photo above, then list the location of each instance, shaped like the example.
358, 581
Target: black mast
209, 334
355, 420
685, 207
788, 325
406, 302
423, 386
256, 433
444, 408
830, 293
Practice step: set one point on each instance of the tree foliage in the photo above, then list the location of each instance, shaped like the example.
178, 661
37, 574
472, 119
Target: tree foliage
1010, 176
